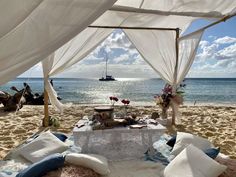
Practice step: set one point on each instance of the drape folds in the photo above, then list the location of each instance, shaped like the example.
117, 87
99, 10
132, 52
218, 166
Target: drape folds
32, 30
187, 51
158, 48
69, 54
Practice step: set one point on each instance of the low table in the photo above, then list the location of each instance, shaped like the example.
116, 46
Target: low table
120, 143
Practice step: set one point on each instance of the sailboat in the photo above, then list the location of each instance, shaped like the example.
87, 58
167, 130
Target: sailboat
107, 77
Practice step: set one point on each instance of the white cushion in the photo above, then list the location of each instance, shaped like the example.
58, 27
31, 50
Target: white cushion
95, 162
44, 145
184, 139
192, 162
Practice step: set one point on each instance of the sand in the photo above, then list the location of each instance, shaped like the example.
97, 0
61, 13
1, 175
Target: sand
217, 123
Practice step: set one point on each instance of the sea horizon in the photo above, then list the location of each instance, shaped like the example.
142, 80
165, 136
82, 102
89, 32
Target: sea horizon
123, 78
140, 91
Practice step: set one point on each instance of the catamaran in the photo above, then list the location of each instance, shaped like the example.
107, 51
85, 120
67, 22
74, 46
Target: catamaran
107, 77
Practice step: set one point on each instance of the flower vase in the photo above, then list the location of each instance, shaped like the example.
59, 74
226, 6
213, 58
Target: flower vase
164, 116
125, 111
164, 113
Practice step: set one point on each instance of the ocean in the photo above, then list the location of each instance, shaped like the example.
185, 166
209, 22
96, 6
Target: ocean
138, 91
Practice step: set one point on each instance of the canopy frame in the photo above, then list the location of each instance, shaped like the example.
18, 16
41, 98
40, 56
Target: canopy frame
134, 28
225, 18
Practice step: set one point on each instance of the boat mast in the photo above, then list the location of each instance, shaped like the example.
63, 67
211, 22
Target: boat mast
106, 62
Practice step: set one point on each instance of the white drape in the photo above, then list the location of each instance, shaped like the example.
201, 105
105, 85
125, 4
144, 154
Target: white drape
187, 50
32, 30
69, 54
158, 48
52, 94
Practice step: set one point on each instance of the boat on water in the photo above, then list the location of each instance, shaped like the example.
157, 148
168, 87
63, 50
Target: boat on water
107, 77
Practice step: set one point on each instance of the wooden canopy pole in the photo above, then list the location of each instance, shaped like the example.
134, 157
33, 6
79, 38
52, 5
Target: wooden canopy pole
46, 111
134, 28
177, 57
175, 73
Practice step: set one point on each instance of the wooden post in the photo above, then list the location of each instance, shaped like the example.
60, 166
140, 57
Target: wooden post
175, 71
46, 111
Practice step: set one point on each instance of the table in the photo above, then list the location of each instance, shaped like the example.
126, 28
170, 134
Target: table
120, 143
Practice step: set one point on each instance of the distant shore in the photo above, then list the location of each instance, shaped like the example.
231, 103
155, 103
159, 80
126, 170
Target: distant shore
213, 121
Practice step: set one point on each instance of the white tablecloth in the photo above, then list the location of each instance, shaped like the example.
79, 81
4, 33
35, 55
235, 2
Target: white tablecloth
117, 143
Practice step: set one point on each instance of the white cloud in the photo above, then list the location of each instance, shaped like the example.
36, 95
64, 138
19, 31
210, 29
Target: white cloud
215, 59
208, 51
225, 40
212, 37
122, 58
203, 44
227, 52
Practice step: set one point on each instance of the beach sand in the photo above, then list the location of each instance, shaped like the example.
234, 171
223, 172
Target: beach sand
217, 123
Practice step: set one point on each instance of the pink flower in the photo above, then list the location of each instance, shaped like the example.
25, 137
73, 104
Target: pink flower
125, 101
113, 100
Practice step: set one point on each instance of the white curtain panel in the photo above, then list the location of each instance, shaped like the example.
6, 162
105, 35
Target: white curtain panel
32, 30
69, 54
78, 48
158, 50
52, 94
188, 46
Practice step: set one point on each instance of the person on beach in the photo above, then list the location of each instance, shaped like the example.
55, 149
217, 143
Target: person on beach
4, 96
26, 92
51, 82
12, 103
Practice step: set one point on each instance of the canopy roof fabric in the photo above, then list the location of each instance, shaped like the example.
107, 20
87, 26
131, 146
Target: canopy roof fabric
164, 13
182, 6
32, 30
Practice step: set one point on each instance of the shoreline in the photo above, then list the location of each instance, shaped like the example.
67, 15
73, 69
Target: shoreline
217, 123
148, 104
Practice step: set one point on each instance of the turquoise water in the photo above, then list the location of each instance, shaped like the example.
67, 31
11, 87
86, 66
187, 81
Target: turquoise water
139, 91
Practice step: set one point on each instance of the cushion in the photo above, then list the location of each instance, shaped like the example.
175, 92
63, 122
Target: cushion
184, 139
60, 136
95, 162
40, 168
171, 141
193, 162
212, 152
44, 145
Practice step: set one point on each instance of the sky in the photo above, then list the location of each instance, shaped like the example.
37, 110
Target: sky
216, 56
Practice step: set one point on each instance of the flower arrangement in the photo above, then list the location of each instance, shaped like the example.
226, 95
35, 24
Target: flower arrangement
168, 97
125, 102
113, 100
